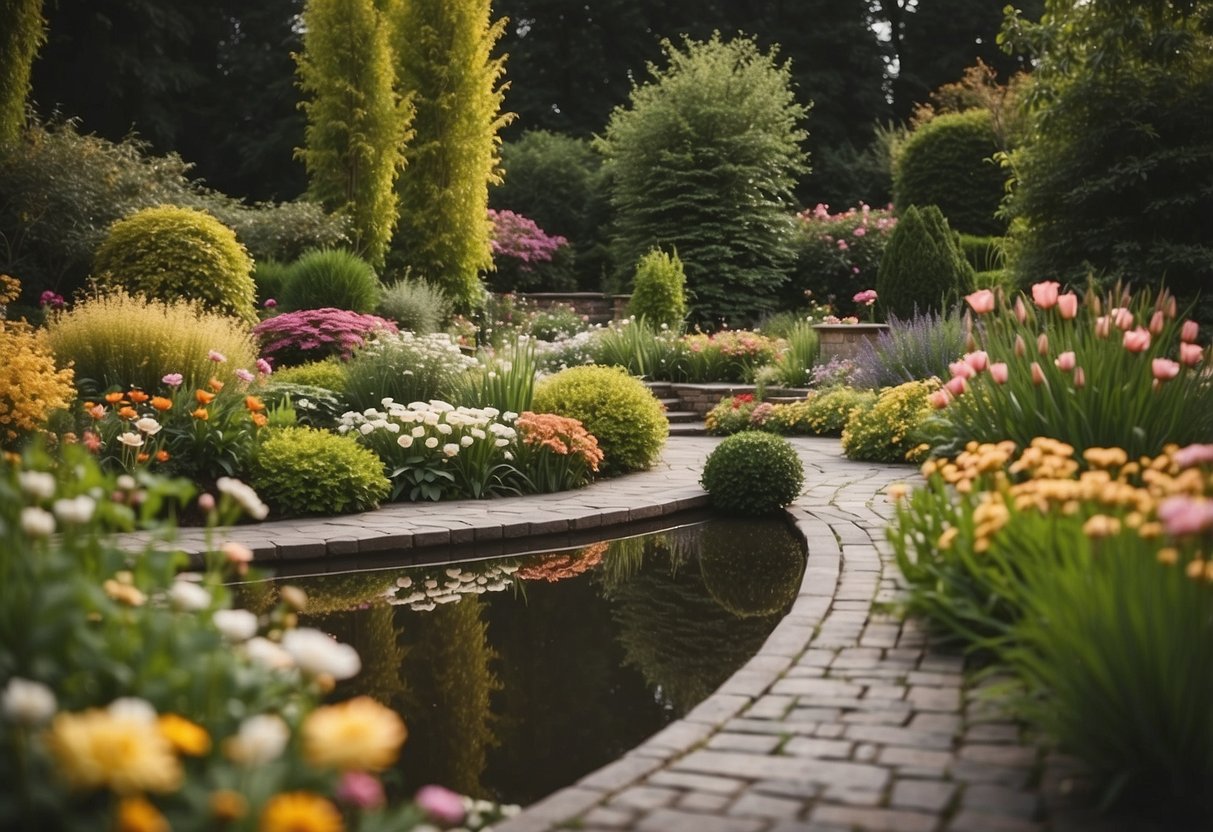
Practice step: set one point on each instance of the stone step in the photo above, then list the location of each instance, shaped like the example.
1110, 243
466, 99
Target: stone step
688, 429
670, 402
679, 416
660, 389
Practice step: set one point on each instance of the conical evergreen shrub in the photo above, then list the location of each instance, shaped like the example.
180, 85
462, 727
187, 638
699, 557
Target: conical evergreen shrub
923, 268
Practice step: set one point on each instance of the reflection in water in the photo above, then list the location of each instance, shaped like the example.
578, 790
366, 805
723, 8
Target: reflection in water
520, 675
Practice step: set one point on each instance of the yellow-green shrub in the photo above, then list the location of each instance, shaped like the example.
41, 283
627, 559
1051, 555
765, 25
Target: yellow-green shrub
616, 408
826, 414
31, 386
170, 253
126, 341
329, 374
889, 431
302, 470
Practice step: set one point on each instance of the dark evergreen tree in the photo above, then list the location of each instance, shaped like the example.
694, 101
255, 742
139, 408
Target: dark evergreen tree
923, 269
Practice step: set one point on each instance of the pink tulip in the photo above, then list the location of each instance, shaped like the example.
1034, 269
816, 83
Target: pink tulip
1020, 346
1038, 375
1189, 331
1103, 326
361, 790
1190, 354
1122, 317
1165, 369
1044, 294
441, 804
1137, 340
1066, 361
978, 360
956, 385
1067, 305
999, 373
982, 301
1080, 378
1021, 311
939, 399
1042, 344
960, 369
1193, 455
1157, 322
1185, 515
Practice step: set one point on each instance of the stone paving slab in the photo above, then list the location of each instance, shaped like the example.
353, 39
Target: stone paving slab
848, 718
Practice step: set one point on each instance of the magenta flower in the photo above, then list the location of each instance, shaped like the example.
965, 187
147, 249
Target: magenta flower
520, 238
264, 367
270, 303
1193, 455
54, 300
1185, 515
441, 804
360, 790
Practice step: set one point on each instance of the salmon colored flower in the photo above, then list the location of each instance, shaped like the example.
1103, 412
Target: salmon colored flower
956, 385
1021, 346
1103, 326
260, 420
1021, 311
982, 301
1189, 331
1165, 369
1137, 340
128, 413
137, 396
1044, 294
1042, 344
254, 404
1066, 361
215, 384
939, 399
998, 372
1067, 305
1190, 354
141, 457
201, 414
162, 455
1080, 378
1038, 375
978, 360
113, 398
161, 403
97, 411
1157, 322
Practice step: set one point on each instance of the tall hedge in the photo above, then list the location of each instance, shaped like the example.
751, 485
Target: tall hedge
22, 31
356, 124
922, 269
948, 162
444, 61
703, 160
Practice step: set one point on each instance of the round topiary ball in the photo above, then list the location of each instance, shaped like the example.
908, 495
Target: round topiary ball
169, 253
616, 408
753, 568
331, 278
302, 470
753, 473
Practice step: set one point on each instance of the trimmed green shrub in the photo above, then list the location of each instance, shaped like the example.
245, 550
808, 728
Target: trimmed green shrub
753, 473
659, 290
947, 162
126, 341
331, 278
302, 470
329, 374
270, 276
170, 254
890, 431
616, 408
764, 578
922, 269
415, 305
827, 413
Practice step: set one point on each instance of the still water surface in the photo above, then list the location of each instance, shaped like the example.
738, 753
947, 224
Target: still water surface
519, 675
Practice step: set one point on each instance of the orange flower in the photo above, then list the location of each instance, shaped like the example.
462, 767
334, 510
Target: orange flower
260, 420
162, 404
113, 398
128, 412
141, 457
201, 413
215, 384
137, 396
204, 397
254, 404
162, 455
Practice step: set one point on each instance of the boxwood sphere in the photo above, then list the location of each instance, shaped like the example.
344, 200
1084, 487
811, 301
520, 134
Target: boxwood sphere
753, 473
301, 470
616, 408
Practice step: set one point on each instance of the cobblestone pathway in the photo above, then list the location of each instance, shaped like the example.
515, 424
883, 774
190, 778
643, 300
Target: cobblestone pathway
847, 719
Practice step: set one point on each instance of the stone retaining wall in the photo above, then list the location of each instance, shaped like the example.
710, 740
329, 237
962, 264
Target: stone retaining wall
845, 340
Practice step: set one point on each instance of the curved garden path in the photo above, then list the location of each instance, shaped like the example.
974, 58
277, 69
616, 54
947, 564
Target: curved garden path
847, 719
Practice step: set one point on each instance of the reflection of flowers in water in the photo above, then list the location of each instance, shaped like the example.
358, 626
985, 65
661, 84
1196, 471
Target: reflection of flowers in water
554, 568
426, 591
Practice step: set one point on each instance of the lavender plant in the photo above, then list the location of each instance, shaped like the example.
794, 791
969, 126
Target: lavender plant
912, 349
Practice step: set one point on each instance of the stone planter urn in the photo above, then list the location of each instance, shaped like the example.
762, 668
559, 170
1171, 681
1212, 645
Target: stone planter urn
844, 340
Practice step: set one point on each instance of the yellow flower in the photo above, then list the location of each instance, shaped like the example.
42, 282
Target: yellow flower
123, 752
946, 539
1168, 556
186, 737
228, 806
359, 734
300, 812
122, 590
136, 814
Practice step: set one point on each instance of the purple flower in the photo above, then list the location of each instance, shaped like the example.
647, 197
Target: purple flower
173, 379
52, 299
270, 303
264, 367
216, 356
441, 804
244, 375
1185, 515
361, 790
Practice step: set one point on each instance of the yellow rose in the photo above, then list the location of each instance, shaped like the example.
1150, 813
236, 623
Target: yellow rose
359, 734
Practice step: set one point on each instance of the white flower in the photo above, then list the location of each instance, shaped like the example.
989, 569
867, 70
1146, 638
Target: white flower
259, 740
419, 431
501, 443
126, 482
478, 433
133, 709
37, 523
405, 441
188, 596
444, 429
244, 495
77, 510
131, 439
235, 625
148, 425
466, 441
317, 653
366, 429
431, 442
38, 484
450, 449
268, 654
27, 703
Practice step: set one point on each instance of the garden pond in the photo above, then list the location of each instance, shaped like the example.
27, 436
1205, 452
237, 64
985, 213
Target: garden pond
518, 675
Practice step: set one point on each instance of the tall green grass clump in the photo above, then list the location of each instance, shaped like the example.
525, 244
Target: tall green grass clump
331, 278
415, 305
505, 379
404, 367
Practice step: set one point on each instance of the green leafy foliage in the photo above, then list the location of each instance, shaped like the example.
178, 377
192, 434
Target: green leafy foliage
617, 409
837, 256
301, 471
24, 31
703, 161
331, 278
269, 277
892, 429
404, 367
415, 305
948, 162
329, 374
505, 379
753, 473
356, 122
445, 63
658, 290
170, 254
922, 269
